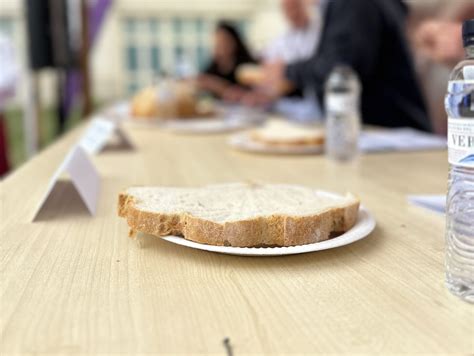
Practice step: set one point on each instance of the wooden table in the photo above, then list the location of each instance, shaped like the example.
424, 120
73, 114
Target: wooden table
72, 283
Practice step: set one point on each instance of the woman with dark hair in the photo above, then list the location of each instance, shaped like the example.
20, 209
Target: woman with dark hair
229, 53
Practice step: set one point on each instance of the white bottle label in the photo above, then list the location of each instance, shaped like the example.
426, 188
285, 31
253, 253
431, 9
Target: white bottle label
468, 73
341, 103
461, 142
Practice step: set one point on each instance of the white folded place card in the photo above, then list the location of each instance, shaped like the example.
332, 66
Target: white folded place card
403, 139
435, 203
100, 132
84, 178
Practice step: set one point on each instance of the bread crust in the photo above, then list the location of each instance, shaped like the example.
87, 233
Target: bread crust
274, 230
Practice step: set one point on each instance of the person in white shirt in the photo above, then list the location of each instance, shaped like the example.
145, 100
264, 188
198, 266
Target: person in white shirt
299, 42
301, 39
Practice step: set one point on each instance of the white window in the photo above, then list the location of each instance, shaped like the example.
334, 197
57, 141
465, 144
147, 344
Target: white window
155, 45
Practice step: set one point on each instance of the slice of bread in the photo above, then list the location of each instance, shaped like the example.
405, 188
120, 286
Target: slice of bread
284, 133
243, 215
178, 100
250, 74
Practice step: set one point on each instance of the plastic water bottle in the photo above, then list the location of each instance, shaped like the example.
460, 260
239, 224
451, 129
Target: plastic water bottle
459, 104
342, 96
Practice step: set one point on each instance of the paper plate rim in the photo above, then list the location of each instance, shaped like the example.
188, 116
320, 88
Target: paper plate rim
364, 226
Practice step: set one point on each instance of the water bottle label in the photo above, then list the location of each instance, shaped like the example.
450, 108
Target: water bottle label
341, 103
468, 72
461, 142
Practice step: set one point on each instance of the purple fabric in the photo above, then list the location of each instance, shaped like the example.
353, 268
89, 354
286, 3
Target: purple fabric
97, 15
73, 86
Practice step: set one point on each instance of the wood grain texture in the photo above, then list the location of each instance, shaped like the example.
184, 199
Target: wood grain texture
75, 284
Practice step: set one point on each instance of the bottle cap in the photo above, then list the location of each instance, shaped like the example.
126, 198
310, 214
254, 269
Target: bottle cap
468, 32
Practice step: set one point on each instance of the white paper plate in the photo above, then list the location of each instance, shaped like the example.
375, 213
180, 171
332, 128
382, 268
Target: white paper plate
364, 226
244, 142
228, 119
208, 126
192, 125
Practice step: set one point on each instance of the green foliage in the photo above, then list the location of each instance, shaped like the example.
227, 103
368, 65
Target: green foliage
47, 132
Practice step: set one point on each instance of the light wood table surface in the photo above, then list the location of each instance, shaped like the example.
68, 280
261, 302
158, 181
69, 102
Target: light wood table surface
72, 283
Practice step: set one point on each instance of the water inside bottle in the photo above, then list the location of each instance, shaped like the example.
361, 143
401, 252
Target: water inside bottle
460, 201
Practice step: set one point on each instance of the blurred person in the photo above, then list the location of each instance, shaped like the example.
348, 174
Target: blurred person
369, 36
8, 73
301, 39
299, 42
229, 53
436, 39
439, 39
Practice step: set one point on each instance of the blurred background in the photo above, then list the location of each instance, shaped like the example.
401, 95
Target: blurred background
61, 60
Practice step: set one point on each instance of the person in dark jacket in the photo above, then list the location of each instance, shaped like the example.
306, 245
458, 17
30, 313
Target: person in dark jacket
369, 36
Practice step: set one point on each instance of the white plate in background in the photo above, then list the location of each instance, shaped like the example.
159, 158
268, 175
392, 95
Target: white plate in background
228, 119
244, 142
207, 126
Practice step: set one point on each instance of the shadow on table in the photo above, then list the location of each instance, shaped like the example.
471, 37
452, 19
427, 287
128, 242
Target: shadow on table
121, 146
332, 258
63, 202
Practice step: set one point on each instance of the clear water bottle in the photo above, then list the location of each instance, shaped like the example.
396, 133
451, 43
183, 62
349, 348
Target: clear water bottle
342, 96
459, 104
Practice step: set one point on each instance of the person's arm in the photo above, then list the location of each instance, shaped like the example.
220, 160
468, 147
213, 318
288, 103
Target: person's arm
212, 83
439, 40
458, 11
351, 36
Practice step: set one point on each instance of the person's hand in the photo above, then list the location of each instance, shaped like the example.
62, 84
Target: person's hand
234, 93
208, 82
274, 73
275, 83
258, 98
273, 86
440, 41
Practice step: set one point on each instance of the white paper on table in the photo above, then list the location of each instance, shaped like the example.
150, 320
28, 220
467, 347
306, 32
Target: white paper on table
83, 175
435, 203
403, 139
99, 133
